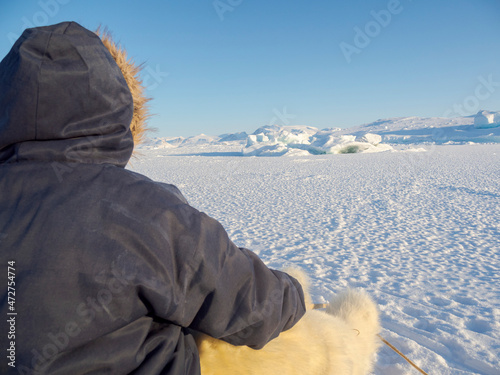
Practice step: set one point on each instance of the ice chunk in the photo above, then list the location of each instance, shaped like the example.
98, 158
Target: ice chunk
487, 119
371, 138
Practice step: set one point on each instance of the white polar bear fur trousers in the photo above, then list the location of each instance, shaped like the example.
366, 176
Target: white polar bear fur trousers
341, 340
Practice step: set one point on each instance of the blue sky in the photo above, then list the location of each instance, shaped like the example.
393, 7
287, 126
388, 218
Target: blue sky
224, 66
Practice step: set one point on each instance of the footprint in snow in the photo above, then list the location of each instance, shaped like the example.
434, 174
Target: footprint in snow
479, 326
425, 325
438, 301
465, 300
416, 313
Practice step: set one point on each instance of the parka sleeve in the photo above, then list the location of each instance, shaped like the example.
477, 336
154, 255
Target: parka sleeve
228, 292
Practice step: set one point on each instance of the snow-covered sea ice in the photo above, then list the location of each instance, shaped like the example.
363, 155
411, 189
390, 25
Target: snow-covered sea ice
420, 231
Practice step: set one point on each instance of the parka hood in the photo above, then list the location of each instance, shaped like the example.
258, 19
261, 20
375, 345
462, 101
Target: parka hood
64, 98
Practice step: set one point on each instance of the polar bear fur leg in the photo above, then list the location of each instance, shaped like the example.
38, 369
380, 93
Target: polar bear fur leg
340, 341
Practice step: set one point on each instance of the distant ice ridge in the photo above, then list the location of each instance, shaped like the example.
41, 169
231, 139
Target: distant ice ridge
273, 140
381, 135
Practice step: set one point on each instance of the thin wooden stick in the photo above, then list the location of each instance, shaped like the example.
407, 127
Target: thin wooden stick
401, 354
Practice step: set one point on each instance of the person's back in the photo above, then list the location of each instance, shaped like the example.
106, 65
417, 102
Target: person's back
111, 270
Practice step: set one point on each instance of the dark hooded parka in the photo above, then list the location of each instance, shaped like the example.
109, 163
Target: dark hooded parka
111, 271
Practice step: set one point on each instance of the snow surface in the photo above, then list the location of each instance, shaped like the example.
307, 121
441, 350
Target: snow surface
420, 231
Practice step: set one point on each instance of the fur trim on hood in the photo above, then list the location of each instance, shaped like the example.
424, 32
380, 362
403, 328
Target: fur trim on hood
130, 71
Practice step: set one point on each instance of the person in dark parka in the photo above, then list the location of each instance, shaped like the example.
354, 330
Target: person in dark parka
112, 272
